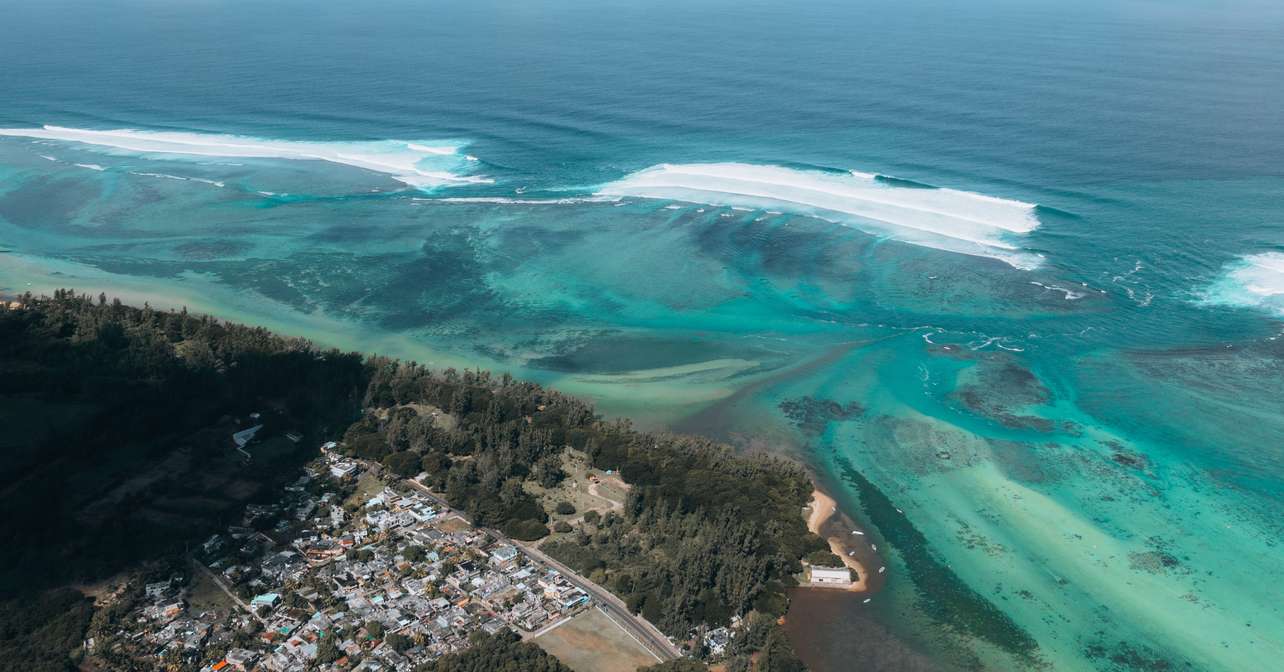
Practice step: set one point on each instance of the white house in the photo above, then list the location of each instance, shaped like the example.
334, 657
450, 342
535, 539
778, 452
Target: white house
830, 576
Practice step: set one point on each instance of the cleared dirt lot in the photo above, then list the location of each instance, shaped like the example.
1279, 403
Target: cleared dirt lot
591, 642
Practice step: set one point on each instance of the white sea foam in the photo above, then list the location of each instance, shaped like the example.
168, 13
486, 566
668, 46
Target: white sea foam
414, 163
504, 200
91, 166
946, 219
165, 176
1069, 294
1256, 281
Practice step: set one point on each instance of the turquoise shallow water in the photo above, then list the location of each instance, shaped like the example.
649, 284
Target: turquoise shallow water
1060, 323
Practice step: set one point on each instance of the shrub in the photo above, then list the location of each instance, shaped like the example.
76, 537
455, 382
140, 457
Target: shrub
824, 559
526, 530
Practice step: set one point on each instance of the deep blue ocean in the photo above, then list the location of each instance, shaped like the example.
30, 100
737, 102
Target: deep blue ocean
1039, 245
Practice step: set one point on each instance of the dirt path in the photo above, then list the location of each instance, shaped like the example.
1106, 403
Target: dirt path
615, 506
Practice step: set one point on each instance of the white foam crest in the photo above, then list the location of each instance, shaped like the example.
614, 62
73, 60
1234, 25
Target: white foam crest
1069, 294
1255, 281
91, 166
504, 200
946, 219
414, 163
165, 176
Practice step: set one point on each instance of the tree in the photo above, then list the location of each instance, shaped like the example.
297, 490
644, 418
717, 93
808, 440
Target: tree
404, 464
824, 558
778, 654
328, 649
399, 642
526, 530
565, 508
502, 652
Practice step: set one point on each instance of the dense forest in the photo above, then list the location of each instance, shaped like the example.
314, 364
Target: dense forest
705, 534
502, 652
119, 423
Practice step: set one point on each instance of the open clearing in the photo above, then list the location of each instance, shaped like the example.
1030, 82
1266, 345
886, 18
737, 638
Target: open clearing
368, 485
592, 642
587, 489
205, 595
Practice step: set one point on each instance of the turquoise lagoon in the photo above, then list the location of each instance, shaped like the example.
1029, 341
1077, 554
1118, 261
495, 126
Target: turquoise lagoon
1035, 251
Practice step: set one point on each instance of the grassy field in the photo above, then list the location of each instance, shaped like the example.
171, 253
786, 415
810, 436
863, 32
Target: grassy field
585, 488
204, 595
368, 485
592, 642
453, 524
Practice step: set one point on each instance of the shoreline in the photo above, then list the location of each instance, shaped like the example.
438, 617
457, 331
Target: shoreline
822, 513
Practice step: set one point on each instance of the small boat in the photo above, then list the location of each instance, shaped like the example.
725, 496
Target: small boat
874, 546
867, 600
858, 532
882, 569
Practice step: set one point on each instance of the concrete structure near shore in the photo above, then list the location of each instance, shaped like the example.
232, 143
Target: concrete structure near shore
831, 576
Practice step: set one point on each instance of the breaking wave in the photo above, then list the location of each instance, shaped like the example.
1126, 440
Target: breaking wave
1255, 281
503, 200
945, 219
416, 163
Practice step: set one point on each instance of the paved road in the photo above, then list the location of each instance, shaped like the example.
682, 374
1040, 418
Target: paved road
641, 629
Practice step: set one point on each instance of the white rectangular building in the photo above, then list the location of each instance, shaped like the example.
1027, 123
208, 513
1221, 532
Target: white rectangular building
830, 576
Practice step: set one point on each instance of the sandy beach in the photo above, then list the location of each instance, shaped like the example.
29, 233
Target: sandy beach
822, 511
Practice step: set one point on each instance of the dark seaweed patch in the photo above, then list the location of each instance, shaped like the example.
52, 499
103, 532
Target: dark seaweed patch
812, 416
1128, 657
945, 597
1002, 387
1127, 458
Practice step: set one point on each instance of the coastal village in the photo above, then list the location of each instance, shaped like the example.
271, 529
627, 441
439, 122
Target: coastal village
391, 578
351, 569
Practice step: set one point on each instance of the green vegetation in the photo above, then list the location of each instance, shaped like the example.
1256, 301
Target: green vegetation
124, 453
124, 450
824, 558
763, 637
704, 535
37, 633
503, 652
146, 461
